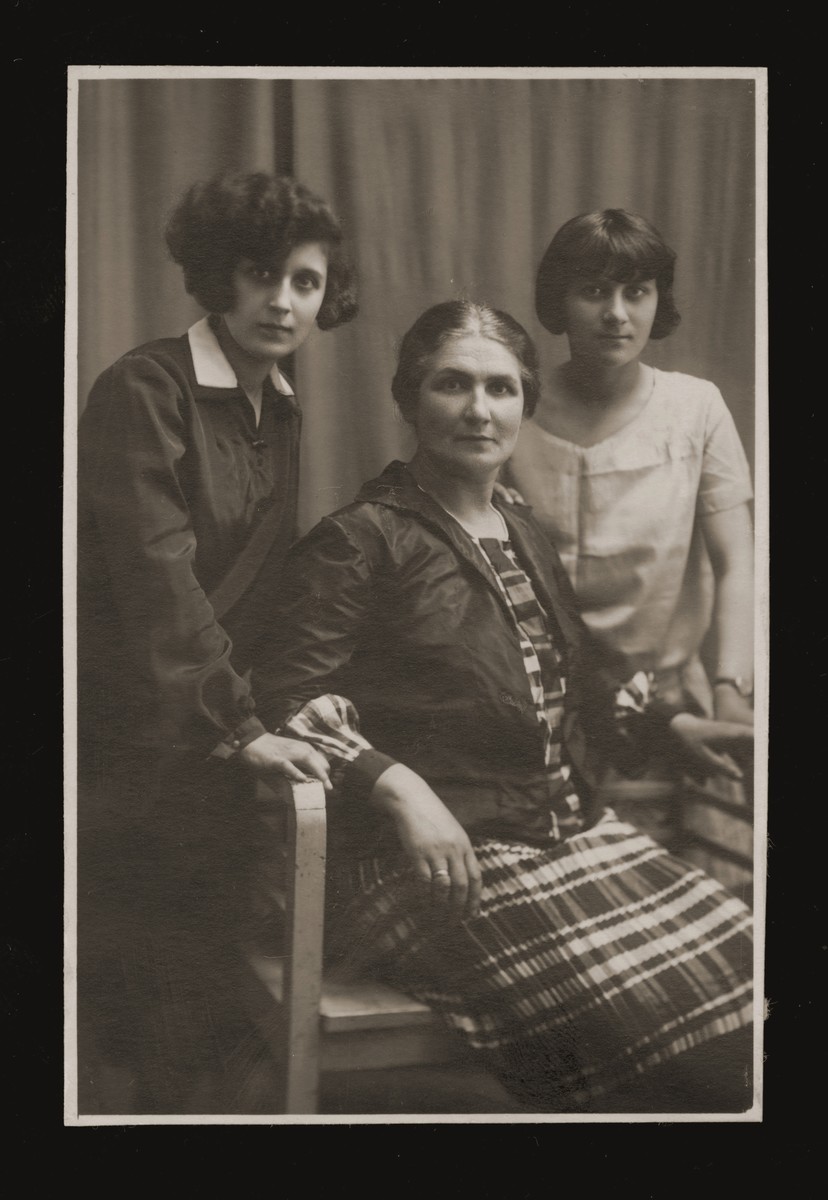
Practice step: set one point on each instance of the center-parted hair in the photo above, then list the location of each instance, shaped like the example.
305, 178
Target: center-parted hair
606, 244
262, 217
454, 319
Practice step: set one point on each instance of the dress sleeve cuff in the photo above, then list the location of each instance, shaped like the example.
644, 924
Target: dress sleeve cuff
241, 736
362, 773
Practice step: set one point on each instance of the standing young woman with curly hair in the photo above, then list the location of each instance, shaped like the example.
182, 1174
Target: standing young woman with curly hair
188, 481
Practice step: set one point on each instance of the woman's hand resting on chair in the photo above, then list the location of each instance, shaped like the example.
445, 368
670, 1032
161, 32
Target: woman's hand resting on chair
709, 741
270, 755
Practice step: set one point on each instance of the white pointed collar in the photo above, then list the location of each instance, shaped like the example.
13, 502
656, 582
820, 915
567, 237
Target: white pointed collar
211, 366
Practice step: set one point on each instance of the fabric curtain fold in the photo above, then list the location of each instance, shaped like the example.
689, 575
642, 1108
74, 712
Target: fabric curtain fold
455, 187
447, 187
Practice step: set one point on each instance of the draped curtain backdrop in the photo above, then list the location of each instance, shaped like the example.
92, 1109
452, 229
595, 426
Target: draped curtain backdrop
141, 142
446, 188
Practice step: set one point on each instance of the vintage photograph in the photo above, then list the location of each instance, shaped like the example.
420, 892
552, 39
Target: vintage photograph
415, 594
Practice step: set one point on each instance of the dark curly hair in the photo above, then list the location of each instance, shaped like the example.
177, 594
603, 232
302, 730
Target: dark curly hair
455, 318
612, 244
261, 217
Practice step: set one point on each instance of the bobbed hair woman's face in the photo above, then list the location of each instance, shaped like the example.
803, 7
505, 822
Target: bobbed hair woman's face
609, 321
610, 245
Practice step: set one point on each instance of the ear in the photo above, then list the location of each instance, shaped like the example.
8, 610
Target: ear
408, 412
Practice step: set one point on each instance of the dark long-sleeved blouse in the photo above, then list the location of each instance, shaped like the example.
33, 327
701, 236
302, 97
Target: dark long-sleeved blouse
173, 478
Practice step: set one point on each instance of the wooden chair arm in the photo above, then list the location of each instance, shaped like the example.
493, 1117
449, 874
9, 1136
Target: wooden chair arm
294, 819
305, 858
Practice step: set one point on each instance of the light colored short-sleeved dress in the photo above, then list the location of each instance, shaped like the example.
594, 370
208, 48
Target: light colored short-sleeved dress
623, 516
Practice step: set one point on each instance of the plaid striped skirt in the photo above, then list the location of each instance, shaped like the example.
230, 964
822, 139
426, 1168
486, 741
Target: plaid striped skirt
592, 962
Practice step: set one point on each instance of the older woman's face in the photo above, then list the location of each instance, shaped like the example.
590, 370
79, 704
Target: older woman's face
470, 407
275, 310
609, 321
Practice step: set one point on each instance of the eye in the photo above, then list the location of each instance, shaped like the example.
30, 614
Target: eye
449, 385
260, 274
592, 291
307, 281
502, 387
635, 292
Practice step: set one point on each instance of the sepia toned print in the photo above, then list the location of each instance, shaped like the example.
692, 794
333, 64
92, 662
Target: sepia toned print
250, 253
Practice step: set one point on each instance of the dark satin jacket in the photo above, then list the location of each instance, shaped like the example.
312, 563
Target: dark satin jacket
390, 604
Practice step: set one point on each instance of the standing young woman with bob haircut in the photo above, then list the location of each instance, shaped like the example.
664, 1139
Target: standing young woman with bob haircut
636, 474
188, 480
427, 640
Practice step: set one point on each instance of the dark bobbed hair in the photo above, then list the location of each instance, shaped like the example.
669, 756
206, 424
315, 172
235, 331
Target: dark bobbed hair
262, 217
609, 244
453, 319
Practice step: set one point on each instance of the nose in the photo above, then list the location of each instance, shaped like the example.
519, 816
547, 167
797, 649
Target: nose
477, 409
615, 311
280, 297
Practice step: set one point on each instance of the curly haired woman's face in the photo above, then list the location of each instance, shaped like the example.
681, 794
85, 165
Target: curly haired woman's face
275, 310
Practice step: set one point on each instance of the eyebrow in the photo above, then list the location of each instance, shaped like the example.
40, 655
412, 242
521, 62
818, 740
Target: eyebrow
587, 280
252, 264
460, 373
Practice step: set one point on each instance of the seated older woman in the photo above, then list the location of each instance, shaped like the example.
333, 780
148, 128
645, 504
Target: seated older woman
428, 642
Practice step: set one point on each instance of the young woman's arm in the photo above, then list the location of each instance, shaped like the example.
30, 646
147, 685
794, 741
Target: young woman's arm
729, 539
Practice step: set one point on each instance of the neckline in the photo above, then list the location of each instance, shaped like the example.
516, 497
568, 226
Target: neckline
475, 536
211, 366
504, 530
612, 436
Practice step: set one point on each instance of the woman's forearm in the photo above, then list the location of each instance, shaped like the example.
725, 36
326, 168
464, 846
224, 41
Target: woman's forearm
729, 538
733, 624
398, 790
436, 844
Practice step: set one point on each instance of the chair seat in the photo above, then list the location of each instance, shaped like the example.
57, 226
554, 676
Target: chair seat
348, 1005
